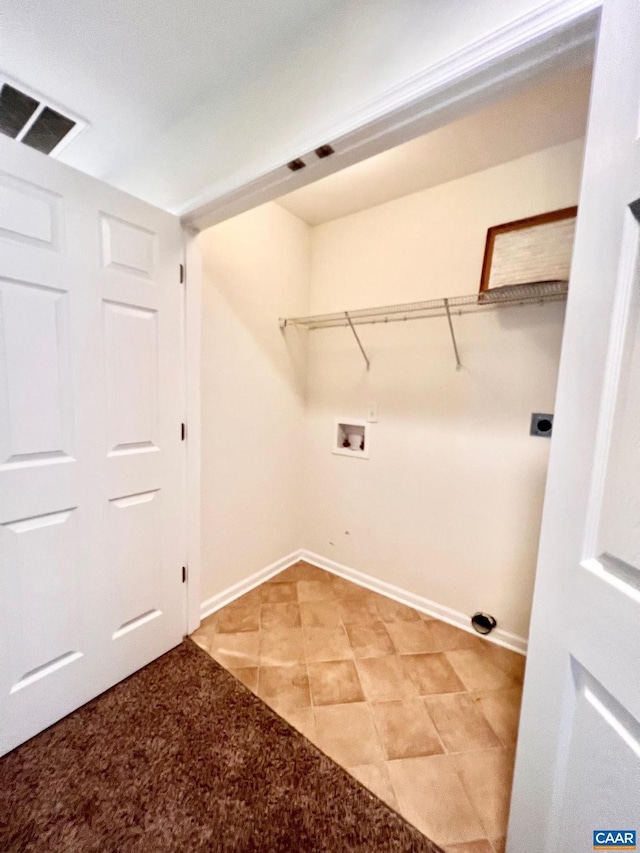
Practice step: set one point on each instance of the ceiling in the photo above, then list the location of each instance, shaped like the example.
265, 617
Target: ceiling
186, 99
133, 68
552, 112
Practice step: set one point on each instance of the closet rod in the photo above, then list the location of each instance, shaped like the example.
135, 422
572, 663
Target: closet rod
524, 294
502, 297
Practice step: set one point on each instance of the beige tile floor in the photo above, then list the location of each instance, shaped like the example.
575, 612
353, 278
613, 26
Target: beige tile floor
423, 714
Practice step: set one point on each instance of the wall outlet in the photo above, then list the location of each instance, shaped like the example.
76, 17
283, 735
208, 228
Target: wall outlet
541, 425
372, 413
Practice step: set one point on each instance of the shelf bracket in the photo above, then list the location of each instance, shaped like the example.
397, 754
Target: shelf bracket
453, 336
355, 335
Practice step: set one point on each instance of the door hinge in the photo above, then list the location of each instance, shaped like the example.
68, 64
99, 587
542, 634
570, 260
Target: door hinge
181, 273
184, 574
183, 431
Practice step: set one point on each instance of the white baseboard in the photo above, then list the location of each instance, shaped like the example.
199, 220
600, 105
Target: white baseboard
440, 611
210, 605
454, 617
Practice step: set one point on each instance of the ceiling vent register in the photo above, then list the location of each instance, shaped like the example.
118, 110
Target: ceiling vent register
30, 120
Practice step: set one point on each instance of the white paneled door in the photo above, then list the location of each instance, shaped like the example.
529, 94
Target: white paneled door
92, 491
578, 759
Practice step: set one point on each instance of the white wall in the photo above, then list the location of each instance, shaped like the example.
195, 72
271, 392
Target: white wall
256, 268
356, 52
449, 504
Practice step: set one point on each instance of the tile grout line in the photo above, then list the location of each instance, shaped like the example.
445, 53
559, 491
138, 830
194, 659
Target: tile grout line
369, 709
437, 731
484, 716
466, 791
367, 701
306, 666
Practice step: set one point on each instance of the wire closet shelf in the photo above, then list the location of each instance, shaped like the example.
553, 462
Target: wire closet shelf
514, 295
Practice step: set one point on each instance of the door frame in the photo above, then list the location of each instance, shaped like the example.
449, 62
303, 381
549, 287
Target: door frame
192, 365
556, 34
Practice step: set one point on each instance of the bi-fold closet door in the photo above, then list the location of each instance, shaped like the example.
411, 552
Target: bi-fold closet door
92, 465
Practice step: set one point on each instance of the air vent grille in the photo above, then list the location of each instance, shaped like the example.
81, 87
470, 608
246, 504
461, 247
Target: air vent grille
16, 109
29, 119
48, 130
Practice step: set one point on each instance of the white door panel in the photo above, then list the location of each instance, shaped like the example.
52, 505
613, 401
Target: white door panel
603, 781
45, 312
131, 368
29, 213
578, 757
91, 457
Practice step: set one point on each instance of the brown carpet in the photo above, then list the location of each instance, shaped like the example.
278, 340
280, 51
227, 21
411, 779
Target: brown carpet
182, 757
